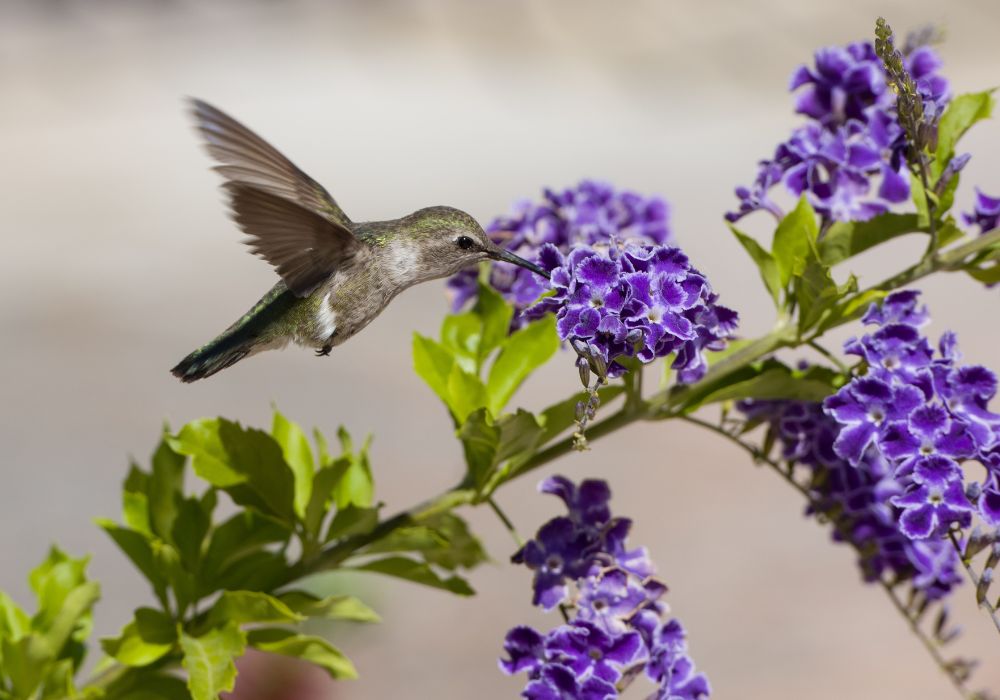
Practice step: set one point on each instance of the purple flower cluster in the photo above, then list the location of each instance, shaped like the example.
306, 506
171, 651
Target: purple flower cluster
924, 414
853, 136
857, 498
581, 562
985, 213
637, 301
590, 213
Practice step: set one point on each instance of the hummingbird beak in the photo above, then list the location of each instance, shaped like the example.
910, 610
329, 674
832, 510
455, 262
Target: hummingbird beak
507, 256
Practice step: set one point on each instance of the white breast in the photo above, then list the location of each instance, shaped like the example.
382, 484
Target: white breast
326, 320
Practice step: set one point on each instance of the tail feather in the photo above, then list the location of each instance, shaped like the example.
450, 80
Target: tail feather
243, 338
221, 353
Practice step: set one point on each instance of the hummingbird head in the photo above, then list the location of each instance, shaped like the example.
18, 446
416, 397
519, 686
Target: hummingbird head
450, 240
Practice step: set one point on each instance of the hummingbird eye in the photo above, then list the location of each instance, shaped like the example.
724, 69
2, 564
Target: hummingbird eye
464, 242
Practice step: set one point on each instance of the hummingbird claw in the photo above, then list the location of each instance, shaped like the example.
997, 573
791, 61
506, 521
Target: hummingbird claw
324, 351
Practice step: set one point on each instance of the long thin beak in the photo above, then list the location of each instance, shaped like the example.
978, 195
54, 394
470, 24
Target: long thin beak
507, 256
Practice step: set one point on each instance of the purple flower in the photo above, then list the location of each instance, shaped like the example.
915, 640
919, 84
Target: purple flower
560, 551
935, 500
852, 139
986, 212
592, 213
616, 630
865, 408
556, 682
640, 301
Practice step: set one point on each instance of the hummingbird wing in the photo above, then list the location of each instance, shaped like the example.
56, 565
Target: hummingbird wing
246, 158
304, 247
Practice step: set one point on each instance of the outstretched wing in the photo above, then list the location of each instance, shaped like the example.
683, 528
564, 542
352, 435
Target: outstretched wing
246, 158
303, 246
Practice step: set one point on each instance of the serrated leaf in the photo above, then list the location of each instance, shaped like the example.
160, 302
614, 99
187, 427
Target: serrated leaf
209, 660
418, 572
766, 264
523, 352
315, 650
845, 239
962, 112
466, 393
147, 638
298, 455
355, 485
242, 607
794, 240
334, 607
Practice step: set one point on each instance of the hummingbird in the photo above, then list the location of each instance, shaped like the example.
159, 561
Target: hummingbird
336, 275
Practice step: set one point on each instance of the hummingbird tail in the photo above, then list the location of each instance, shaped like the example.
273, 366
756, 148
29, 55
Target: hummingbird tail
214, 357
247, 336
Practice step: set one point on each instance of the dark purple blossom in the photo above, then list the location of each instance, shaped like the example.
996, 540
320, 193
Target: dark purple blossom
848, 159
616, 630
985, 213
640, 301
592, 213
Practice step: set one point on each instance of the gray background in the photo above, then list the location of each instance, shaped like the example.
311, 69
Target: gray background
118, 259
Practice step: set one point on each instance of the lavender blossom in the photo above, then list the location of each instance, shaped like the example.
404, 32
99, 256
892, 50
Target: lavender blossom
985, 213
638, 301
853, 138
924, 414
616, 630
592, 213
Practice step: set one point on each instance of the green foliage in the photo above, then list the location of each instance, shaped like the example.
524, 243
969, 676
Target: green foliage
209, 660
845, 239
794, 241
961, 114
765, 261
40, 654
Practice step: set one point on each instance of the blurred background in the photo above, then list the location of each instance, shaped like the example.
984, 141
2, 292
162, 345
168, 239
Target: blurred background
119, 259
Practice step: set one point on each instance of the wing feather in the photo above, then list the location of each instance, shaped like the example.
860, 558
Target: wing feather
244, 156
304, 247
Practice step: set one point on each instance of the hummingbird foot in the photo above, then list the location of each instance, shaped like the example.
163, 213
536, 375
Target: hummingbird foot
324, 351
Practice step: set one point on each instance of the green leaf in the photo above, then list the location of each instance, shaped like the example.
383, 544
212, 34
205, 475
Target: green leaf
135, 501
443, 540
495, 314
523, 352
210, 459
845, 239
560, 416
189, 531
919, 197
817, 293
766, 264
144, 684
794, 240
418, 572
315, 650
351, 521
466, 393
334, 607
987, 275
25, 663
238, 536
298, 456
356, 486
242, 607
209, 660
74, 613
166, 483
460, 335
773, 380
433, 363
257, 571
962, 112
488, 443
149, 637
139, 550
14, 622
323, 486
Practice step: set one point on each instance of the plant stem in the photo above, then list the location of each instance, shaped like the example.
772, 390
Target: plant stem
815, 345
974, 578
507, 523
